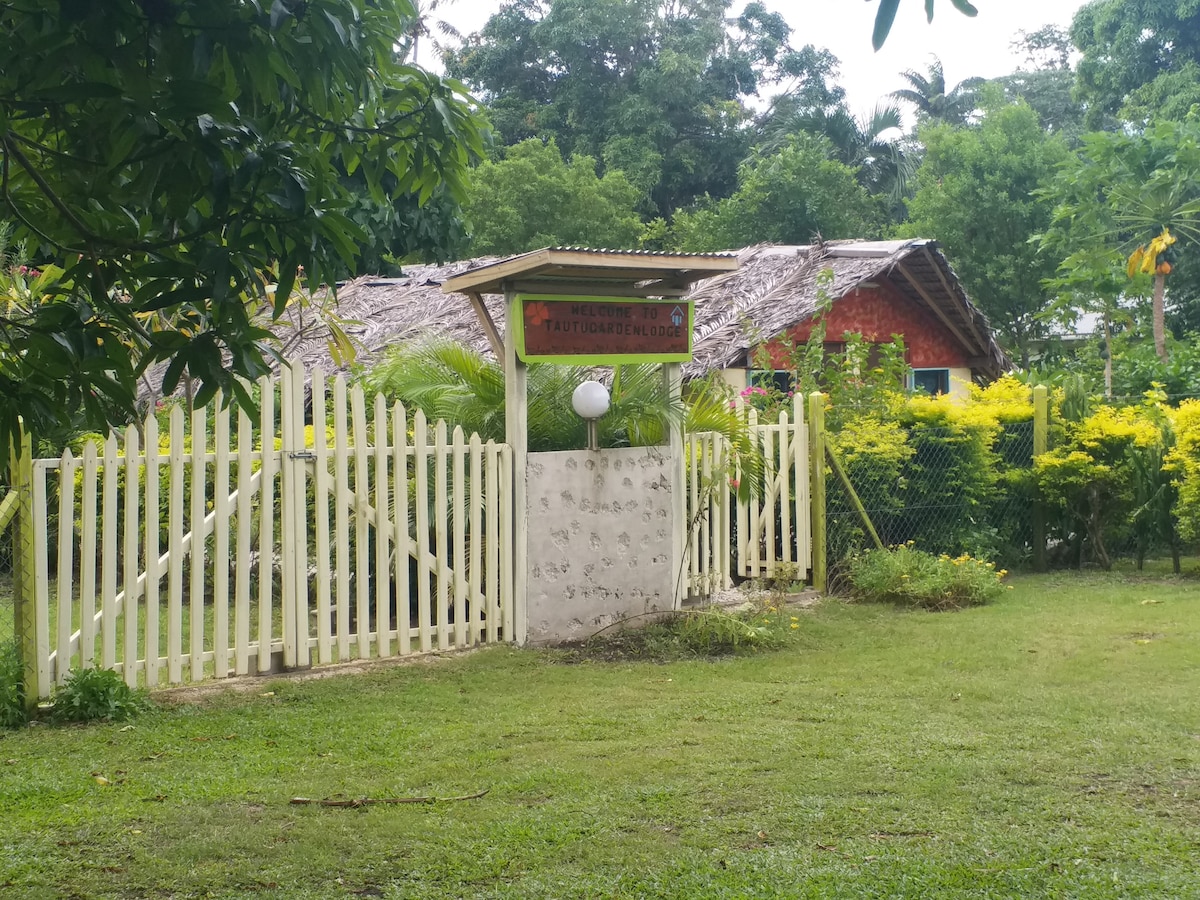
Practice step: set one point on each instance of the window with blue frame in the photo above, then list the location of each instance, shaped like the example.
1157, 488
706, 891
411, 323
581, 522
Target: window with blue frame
777, 379
930, 381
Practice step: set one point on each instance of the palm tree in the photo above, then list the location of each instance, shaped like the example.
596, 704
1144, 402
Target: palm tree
872, 145
1136, 191
448, 381
933, 101
423, 26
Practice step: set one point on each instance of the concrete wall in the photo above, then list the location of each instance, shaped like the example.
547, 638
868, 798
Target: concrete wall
600, 539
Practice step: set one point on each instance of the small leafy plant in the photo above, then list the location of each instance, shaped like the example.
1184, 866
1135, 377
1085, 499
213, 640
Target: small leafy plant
12, 690
707, 631
92, 695
713, 631
912, 577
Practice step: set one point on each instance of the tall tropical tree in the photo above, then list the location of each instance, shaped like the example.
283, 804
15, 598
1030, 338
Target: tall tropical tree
1140, 59
977, 196
1125, 190
532, 198
934, 101
425, 24
1045, 80
873, 145
661, 91
788, 197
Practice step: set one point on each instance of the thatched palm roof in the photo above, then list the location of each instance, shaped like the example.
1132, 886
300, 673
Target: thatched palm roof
777, 287
774, 289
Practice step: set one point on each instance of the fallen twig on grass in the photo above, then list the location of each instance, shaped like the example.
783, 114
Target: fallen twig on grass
356, 802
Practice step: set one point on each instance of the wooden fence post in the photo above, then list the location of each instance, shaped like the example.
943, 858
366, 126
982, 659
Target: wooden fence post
672, 375
25, 574
516, 435
1041, 428
816, 461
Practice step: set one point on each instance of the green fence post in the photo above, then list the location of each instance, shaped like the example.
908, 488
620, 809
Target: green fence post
24, 570
1041, 428
816, 462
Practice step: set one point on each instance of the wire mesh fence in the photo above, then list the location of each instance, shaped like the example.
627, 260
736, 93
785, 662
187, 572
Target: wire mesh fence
951, 490
944, 489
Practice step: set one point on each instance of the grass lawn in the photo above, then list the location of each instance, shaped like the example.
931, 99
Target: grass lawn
1047, 745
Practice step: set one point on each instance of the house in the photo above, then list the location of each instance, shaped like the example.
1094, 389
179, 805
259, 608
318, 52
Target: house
877, 289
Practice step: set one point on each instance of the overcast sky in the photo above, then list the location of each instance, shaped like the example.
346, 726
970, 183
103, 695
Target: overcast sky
967, 46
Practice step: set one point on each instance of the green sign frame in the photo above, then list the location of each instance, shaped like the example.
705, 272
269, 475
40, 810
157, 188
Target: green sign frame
600, 331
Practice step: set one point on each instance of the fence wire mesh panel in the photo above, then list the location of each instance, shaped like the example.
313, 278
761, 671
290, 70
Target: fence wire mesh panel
216, 544
945, 489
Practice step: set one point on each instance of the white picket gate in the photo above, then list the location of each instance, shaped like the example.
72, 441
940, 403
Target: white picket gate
226, 546
750, 536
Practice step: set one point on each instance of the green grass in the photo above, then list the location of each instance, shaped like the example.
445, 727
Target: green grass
1046, 745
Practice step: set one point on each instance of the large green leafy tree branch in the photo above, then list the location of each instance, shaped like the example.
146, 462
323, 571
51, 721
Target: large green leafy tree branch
184, 155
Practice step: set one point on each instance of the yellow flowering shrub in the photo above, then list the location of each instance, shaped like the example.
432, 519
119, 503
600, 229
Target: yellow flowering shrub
1107, 482
1183, 464
1006, 401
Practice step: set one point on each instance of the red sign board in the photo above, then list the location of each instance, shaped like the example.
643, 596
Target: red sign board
601, 330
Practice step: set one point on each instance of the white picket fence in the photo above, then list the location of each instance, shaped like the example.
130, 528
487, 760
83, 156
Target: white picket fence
751, 536
225, 546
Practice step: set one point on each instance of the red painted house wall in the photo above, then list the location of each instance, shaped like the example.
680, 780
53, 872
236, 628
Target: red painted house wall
878, 313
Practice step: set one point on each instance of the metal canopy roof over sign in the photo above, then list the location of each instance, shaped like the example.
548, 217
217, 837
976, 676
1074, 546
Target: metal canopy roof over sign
615, 273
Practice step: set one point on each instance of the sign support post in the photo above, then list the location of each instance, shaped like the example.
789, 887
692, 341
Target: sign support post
516, 434
673, 381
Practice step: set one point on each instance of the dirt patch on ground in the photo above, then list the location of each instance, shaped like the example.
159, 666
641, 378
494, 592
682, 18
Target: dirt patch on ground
242, 684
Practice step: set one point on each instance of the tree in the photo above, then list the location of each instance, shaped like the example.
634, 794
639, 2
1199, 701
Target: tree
1136, 54
874, 146
1090, 279
789, 197
531, 199
422, 26
657, 90
976, 195
1045, 81
1123, 190
933, 101
190, 153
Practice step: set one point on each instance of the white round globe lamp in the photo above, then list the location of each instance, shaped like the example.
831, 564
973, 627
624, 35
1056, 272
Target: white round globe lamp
590, 401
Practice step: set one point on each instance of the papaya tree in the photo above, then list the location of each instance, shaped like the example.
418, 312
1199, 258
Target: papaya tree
1138, 193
